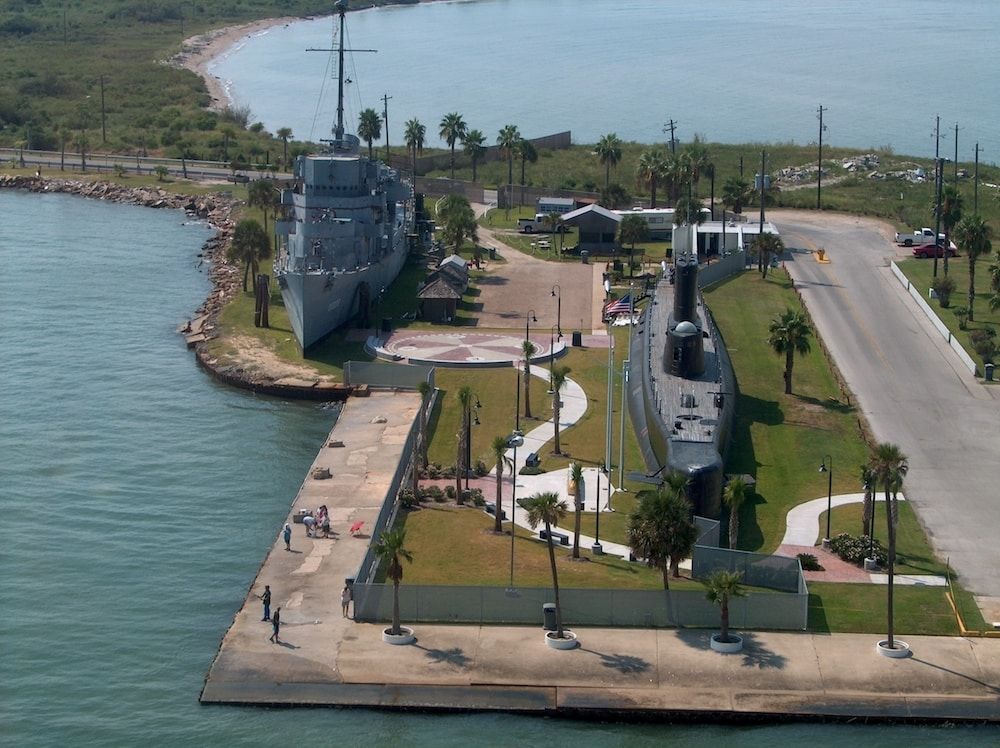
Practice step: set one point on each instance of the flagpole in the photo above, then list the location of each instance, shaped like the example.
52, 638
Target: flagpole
625, 365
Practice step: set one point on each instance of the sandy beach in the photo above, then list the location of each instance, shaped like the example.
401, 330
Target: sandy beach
197, 52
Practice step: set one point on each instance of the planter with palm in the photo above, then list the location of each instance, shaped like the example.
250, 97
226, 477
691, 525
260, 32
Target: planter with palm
452, 130
579, 496
721, 587
527, 350
789, 333
391, 550
767, 245
546, 508
951, 214
499, 448
889, 467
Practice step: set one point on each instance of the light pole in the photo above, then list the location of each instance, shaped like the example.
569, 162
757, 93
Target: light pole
819, 163
514, 440
608, 416
468, 440
827, 467
552, 360
528, 319
597, 548
557, 292
871, 535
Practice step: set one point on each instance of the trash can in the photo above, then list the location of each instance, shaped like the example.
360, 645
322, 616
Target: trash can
989, 372
577, 339
584, 255
549, 614
386, 325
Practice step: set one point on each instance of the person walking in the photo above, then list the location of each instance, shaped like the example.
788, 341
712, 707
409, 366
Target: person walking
345, 599
276, 625
266, 599
287, 534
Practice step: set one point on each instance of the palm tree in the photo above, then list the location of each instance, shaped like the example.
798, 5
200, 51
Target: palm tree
632, 229
499, 448
719, 589
82, 143
687, 211
527, 350
474, 145
527, 152
284, 133
789, 334
734, 496
424, 389
249, 246
228, 133
735, 194
262, 194
560, 375
767, 245
453, 129
414, 135
951, 214
465, 398
391, 549
369, 128
576, 476
546, 508
867, 507
660, 530
609, 153
458, 219
697, 161
889, 466
649, 172
507, 141
972, 235
675, 175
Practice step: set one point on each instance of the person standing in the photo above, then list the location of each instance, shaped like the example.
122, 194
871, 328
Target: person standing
346, 595
309, 523
276, 624
287, 534
266, 599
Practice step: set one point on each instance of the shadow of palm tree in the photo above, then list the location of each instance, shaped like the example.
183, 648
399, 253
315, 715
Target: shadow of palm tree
755, 654
454, 656
625, 664
991, 687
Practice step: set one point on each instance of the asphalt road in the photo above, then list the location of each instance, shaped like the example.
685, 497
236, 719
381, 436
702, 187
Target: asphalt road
909, 384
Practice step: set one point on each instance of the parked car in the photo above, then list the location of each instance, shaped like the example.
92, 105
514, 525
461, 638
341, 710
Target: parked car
928, 251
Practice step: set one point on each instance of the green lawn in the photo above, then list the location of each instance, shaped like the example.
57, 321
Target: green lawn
861, 608
780, 439
920, 273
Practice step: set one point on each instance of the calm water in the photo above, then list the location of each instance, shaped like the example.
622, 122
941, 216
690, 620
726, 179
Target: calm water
138, 499
732, 70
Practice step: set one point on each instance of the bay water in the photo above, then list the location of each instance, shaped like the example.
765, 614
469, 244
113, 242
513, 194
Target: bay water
138, 498
735, 71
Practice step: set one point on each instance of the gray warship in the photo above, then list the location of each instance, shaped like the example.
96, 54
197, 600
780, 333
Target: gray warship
347, 230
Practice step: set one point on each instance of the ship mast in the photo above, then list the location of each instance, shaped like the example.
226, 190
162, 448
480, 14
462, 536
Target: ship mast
338, 132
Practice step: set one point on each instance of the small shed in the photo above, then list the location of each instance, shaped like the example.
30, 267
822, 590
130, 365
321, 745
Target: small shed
598, 228
438, 300
558, 205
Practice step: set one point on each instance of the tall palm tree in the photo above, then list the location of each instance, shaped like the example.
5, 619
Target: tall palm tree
507, 141
868, 505
424, 389
391, 549
735, 194
370, 128
458, 219
465, 398
284, 133
687, 211
649, 172
262, 194
453, 129
474, 145
560, 375
951, 214
527, 350
734, 495
697, 161
767, 246
546, 508
972, 235
249, 246
414, 136
789, 334
499, 448
609, 153
675, 175
889, 466
576, 476
660, 530
632, 229
720, 588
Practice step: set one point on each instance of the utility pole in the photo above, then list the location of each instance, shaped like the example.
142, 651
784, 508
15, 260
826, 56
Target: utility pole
385, 121
819, 164
975, 188
760, 230
104, 131
670, 127
937, 213
956, 153
741, 166
64, 25
937, 186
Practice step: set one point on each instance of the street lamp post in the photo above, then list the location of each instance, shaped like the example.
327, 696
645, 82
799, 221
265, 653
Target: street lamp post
528, 319
557, 292
597, 548
468, 441
827, 467
552, 358
515, 440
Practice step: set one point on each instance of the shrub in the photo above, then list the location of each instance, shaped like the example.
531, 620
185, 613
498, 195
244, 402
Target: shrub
462, 497
238, 115
809, 562
962, 313
119, 170
854, 549
448, 472
530, 470
449, 491
986, 349
477, 497
408, 499
433, 471
944, 286
480, 469
433, 492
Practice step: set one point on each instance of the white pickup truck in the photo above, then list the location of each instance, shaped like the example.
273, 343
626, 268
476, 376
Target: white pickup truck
918, 238
536, 224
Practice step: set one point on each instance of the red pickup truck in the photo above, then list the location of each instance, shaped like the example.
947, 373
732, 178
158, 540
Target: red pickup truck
928, 251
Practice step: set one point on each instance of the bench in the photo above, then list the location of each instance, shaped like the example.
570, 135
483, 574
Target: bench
560, 537
492, 511
532, 460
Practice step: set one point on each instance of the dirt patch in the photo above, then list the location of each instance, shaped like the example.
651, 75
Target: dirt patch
264, 364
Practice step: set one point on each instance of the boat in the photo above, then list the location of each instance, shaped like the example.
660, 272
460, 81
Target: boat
347, 231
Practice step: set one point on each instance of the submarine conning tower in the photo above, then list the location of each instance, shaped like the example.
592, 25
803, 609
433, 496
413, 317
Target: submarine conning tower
684, 354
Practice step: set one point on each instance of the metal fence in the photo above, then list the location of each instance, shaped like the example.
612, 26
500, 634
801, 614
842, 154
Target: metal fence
639, 608
758, 570
391, 376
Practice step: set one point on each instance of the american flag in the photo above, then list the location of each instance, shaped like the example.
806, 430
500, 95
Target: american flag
620, 306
